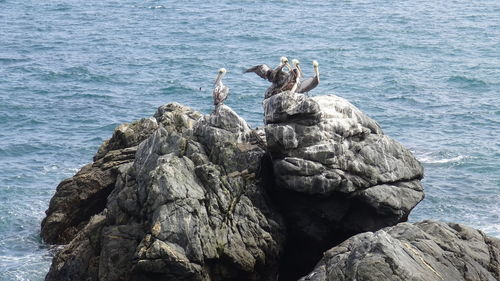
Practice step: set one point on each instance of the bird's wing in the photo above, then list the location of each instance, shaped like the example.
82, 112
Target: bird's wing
262, 70
215, 95
307, 85
224, 93
218, 93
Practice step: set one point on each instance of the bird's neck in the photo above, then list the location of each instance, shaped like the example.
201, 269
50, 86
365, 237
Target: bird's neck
298, 70
316, 70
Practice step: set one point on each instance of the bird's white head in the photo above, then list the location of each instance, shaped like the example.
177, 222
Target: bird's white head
296, 63
220, 74
315, 63
284, 60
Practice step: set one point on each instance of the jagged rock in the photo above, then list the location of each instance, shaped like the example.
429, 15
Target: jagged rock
184, 196
424, 251
288, 106
127, 135
82, 251
189, 207
335, 173
84, 195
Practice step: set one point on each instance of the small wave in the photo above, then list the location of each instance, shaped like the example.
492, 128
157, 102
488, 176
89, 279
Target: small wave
58, 170
492, 229
157, 7
50, 168
176, 89
78, 73
404, 98
12, 60
464, 81
431, 160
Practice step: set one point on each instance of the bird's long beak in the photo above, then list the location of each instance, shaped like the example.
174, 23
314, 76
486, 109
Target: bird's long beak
219, 77
316, 69
300, 71
289, 66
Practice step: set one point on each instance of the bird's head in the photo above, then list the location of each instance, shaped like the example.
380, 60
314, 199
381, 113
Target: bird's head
315, 63
284, 62
222, 72
296, 63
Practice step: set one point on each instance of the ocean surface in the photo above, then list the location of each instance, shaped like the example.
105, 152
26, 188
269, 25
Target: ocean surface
71, 71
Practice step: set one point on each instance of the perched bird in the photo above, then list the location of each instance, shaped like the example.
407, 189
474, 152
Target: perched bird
292, 82
295, 63
309, 83
276, 76
265, 72
221, 91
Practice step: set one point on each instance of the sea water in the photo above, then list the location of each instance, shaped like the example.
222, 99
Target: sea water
71, 71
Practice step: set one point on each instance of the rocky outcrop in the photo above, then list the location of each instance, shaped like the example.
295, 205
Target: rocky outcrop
80, 197
424, 251
186, 196
335, 172
189, 206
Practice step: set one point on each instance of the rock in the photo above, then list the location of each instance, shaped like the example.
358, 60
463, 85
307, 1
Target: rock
335, 174
424, 251
288, 106
186, 196
84, 195
188, 206
128, 135
82, 251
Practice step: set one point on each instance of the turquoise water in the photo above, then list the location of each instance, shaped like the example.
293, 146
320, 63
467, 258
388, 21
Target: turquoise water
71, 71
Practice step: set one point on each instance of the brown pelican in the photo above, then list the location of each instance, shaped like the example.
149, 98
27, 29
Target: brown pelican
221, 91
308, 84
295, 63
276, 76
265, 72
292, 82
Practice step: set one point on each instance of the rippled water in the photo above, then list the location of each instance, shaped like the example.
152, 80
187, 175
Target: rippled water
70, 71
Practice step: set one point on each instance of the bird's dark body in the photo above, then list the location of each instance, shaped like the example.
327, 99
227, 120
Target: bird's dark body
307, 85
291, 82
276, 76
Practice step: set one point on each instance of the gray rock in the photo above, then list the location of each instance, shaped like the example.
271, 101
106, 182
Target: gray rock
343, 151
183, 196
424, 251
287, 106
82, 251
84, 195
127, 135
189, 207
335, 173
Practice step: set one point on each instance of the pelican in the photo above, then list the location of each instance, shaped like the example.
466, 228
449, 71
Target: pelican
221, 91
265, 72
277, 76
295, 63
310, 83
292, 82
